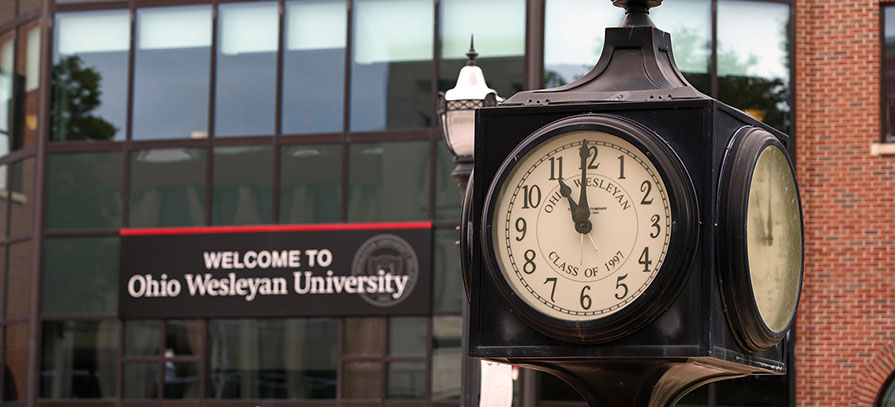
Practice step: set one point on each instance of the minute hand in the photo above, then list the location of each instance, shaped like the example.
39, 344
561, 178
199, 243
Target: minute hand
583, 208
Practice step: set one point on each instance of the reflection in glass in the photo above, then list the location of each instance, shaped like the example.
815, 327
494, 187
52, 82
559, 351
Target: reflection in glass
310, 183
573, 37
79, 359
245, 94
690, 24
183, 337
243, 185
447, 288
181, 380
391, 65
314, 66
27, 86
141, 337
364, 336
85, 190
388, 181
446, 357
889, 77
406, 380
18, 291
80, 276
362, 380
272, 358
171, 67
28, 5
753, 59
499, 28
167, 187
89, 76
140, 380
448, 196
16, 359
21, 201
407, 336
4, 200
7, 55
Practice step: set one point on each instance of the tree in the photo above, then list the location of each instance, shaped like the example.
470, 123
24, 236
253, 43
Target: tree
76, 93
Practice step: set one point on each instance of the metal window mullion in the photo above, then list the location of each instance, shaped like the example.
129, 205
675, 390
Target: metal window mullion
713, 69
346, 107
278, 114
210, 136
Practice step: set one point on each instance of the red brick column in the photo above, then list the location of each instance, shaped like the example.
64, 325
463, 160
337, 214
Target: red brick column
846, 319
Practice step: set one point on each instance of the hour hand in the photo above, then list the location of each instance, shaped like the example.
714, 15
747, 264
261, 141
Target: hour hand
566, 191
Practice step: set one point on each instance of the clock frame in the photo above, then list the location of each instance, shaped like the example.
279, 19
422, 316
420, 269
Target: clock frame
669, 278
735, 274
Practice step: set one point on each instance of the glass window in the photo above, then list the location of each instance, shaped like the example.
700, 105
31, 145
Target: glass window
448, 292
753, 59
887, 396
5, 197
140, 380
16, 358
243, 185
314, 66
407, 336
388, 181
364, 336
183, 337
7, 89
27, 86
448, 196
89, 76
21, 180
573, 37
171, 72
141, 337
407, 380
80, 276
499, 29
690, 24
7, 11
84, 190
181, 380
79, 359
28, 5
167, 187
272, 358
19, 280
245, 95
446, 357
311, 183
889, 74
391, 65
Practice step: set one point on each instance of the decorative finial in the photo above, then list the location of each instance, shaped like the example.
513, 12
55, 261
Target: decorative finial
471, 54
636, 12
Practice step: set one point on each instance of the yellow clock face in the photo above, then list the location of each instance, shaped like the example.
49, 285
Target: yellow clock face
581, 225
774, 238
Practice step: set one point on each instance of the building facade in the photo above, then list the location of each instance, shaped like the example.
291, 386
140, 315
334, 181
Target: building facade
132, 115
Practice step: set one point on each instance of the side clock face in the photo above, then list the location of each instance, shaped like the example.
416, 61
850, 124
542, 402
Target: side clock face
580, 226
761, 245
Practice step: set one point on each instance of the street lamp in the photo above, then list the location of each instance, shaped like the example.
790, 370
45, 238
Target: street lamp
456, 112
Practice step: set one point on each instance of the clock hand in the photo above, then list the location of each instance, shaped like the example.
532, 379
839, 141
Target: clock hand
582, 214
581, 249
770, 234
566, 191
592, 242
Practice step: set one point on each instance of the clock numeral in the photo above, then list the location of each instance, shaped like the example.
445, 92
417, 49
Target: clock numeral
621, 167
646, 187
620, 284
529, 261
591, 166
531, 197
644, 260
655, 220
521, 226
555, 171
552, 290
585, 299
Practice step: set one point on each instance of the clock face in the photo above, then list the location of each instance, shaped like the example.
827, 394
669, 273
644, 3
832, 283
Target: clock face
581, 225
774, 238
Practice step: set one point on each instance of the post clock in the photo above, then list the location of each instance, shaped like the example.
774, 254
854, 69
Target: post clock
628, 234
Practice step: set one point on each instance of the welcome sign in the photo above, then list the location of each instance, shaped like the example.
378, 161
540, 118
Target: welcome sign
276, 270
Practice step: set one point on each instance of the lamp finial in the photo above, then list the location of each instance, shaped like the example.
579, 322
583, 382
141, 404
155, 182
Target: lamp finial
471, 54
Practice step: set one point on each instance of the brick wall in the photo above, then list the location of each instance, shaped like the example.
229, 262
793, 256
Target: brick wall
846, 321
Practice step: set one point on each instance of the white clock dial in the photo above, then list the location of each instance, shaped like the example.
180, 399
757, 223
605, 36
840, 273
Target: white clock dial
576, 255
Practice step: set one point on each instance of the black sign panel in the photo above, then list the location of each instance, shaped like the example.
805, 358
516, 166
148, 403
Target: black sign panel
288, 270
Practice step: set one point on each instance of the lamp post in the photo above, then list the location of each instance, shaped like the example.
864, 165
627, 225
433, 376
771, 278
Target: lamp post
456, 114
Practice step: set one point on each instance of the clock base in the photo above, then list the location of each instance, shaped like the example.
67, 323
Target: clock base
637, 383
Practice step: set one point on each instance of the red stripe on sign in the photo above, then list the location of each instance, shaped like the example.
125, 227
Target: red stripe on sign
320, 227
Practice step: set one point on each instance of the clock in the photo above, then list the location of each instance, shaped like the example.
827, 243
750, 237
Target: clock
761, 239
589, 228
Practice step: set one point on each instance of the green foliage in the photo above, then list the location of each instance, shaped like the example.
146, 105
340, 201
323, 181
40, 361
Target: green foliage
76, 93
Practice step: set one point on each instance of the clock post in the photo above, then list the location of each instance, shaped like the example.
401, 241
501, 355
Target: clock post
629, 234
